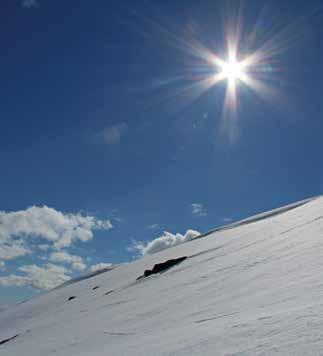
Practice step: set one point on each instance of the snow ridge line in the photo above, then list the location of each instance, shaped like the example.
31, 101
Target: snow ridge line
259, 217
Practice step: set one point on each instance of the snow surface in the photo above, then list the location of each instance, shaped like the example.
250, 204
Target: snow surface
253, 289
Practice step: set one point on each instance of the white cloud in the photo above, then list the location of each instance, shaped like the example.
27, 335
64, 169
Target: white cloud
29, 3
227, 220
198, 209
46, 223
46, 277
39, 230
43, 247
163, 242
153, 227
2, 266
76, 262
113, 134
10, 250
100, 266
13, 280
79, 266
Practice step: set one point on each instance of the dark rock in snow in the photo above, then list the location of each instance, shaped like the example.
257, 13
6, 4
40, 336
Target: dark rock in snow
71, 298
7, 340
107, 293
96, 287
160, 267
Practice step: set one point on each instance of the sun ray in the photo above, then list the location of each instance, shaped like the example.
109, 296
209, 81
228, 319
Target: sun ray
246, 62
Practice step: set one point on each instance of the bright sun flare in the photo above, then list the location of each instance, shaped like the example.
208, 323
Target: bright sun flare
232, 70
239, 68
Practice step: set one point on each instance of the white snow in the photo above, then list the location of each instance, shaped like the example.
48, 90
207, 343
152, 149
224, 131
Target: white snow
253, 288
3, 307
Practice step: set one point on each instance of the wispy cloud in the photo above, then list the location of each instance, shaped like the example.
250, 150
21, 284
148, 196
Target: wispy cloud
227, 220
29, 3
49, 275
43, 247
2, 265
46, 277
113, 134
153, 227
198, 209
76, 262
163, 242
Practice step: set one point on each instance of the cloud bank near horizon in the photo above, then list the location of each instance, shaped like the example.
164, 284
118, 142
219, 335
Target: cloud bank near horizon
44, 233
163, 242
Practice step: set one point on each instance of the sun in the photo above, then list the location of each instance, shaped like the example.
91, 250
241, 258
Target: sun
236, 64
232, 70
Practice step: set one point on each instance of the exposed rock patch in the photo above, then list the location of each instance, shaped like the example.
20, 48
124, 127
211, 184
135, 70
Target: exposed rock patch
161, 267
7, 340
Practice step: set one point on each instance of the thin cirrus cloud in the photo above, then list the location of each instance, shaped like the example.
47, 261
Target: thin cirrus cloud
28, 4
113, 134
2, 265
198, 209
163, 242
153, 227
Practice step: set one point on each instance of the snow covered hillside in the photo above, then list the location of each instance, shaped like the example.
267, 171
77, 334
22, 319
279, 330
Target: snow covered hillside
251, 288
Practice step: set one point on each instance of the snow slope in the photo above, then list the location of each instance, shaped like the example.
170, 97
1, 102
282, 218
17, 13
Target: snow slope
254, 288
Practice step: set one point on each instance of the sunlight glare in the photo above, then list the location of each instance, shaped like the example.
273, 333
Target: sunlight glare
232, 70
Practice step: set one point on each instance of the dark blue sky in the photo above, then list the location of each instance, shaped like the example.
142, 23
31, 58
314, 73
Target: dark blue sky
90, 122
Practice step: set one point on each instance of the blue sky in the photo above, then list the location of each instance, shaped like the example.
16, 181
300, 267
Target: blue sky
96, 145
